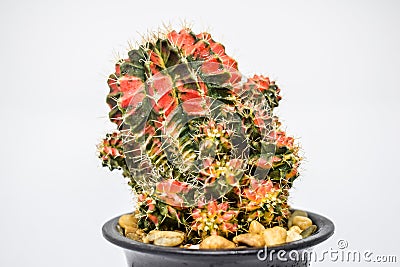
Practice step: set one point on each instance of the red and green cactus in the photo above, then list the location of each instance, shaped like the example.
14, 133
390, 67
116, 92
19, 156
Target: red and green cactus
111, 153
198, 141
214, 218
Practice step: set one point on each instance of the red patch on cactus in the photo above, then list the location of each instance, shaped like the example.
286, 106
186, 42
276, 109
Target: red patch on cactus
262, 187
150, 130
156, 59
156, 147
167, 103
150, 205
194, 107
153, 218
284, 141
229, 63
173, 212
129, 83
131, 98
173, 186
201, 50
204, 36
118, 69
258, 193
161, 84
190, 90
211, 66
187, 93
170, 190
184, 40
276, 159
263, 163
132, 89
162, 96
141, 197
262, 118
264, 84
215, 47
261, 81
110, 149
214, 218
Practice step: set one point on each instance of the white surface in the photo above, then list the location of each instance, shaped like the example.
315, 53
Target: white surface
337, 62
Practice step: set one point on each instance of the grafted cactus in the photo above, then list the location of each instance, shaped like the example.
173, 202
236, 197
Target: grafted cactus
198, 141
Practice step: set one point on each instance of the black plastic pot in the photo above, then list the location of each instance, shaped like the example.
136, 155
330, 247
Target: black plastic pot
291, 254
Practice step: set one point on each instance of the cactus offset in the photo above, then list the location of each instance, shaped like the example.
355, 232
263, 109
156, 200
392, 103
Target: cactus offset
214, 219
111, 153
198, 141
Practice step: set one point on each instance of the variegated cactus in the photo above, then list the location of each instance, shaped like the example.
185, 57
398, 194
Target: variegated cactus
198, 141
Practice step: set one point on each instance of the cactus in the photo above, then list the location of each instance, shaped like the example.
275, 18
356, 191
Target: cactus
111, 153
214, 219
198, 141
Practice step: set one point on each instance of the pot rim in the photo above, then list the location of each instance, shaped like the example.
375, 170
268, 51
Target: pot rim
324, 231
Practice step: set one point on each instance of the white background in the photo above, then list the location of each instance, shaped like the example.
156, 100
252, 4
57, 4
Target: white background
337, 62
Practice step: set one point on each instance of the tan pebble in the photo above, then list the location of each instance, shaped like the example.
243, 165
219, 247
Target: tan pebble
216, 241
166, 238
294, 214
256, 227
145, 240
308, 231
128, 220
120, 229
293, 234
295, 229
299, 213
131, 236
274, 236
140, 234
251, 240
134, 236
130, 229
302, 222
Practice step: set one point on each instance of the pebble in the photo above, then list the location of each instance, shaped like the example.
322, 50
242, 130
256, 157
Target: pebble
256, 227
296, 229
294, 214
165, 238
120, 229
130, 229
128, 221
293, 234
251, 240
308, 231
137, 235
302, 222
274, 236
215, 242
